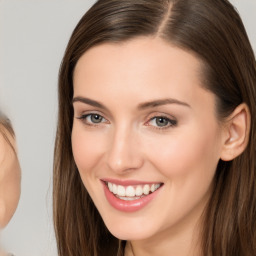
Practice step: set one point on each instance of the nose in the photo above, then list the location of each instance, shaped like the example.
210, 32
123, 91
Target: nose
124, 154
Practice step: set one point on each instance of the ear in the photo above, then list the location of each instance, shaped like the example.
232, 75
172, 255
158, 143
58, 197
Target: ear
236, 133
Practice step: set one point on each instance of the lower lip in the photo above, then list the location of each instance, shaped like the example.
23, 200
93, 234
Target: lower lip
129, 206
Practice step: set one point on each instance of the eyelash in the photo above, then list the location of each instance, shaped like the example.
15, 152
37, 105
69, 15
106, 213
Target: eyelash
171, 122
84, 117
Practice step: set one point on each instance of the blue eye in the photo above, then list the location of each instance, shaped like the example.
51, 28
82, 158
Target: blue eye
162, 122
92, 119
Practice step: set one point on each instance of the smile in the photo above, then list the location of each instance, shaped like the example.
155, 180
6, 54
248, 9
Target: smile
130, 196
132, 192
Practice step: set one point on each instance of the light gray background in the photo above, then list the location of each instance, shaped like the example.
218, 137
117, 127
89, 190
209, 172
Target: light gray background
33, 36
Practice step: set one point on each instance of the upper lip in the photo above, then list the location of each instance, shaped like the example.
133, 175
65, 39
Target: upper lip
129, 182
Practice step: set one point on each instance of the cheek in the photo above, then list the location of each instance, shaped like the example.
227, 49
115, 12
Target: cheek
87, 148
86, 151
188, 163
185, 153
9, 187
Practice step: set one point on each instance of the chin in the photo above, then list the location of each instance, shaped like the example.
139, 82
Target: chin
129, 235
126, 230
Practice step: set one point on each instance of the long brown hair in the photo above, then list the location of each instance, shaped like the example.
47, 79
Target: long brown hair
211, 30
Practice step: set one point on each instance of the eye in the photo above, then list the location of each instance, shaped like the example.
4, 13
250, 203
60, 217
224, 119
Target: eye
92, 119
161, 122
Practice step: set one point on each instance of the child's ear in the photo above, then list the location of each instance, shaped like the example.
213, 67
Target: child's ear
236, 133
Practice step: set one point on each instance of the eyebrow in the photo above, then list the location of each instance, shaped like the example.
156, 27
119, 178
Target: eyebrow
156, 103
141, 106
88, 101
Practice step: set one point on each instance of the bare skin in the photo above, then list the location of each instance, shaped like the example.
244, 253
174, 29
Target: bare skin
10, 176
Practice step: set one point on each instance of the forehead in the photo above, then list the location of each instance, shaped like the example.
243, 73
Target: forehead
137, 66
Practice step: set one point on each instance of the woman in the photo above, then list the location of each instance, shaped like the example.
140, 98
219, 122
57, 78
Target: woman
155, 146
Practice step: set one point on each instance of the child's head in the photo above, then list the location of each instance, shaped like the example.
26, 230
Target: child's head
10, 173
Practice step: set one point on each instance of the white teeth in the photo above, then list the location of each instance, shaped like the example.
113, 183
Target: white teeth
114, 187
120, 190
139, 191
110, 187
129, 198
146, 189
157, 186
132, 192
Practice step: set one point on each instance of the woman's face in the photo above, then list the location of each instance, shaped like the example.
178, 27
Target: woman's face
145, 137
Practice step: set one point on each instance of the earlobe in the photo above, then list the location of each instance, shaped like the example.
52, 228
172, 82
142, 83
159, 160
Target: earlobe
237, 132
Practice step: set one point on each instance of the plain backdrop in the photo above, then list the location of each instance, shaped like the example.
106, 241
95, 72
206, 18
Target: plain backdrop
33, 37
